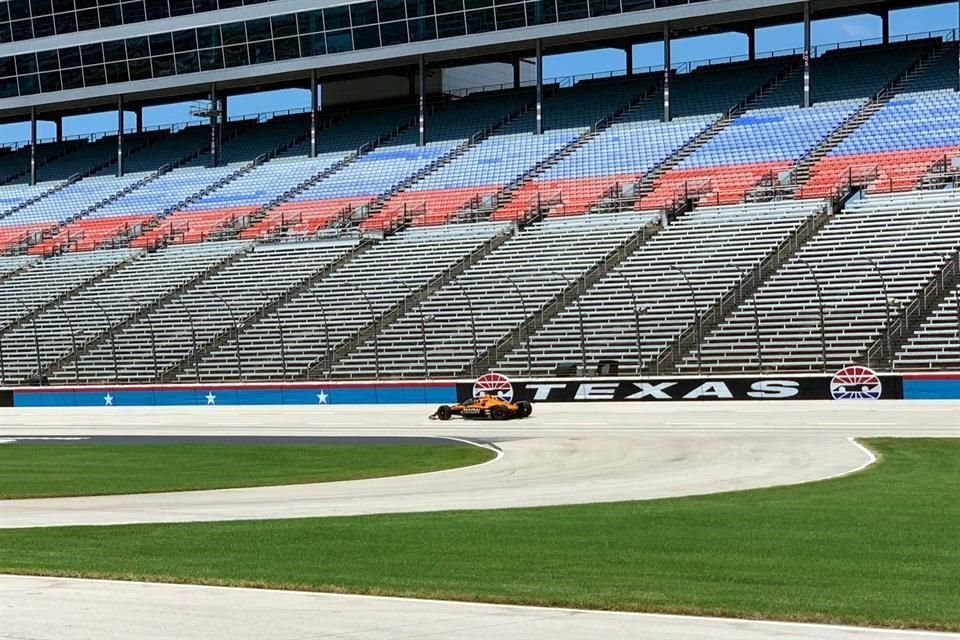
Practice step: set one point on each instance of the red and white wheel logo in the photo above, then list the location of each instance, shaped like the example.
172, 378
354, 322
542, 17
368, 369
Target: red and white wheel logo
856, 383
493, 384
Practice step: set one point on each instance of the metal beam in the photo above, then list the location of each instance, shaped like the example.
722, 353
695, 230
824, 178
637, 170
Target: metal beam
539, 87
139, 111
214, 150
33, 146
628, 51
885, 26
119, 136
59, 124
806, 55
666, 73
752, 44
516, 72
313, 113
422, 98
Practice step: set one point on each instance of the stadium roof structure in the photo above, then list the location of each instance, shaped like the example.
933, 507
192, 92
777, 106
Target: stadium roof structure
69, 62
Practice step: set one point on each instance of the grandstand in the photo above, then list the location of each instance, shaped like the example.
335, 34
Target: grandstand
788, 213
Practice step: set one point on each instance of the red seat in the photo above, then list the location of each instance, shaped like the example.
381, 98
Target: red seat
725, 184
883, 172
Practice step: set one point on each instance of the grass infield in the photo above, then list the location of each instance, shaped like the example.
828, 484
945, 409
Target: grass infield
876, 548
47, 470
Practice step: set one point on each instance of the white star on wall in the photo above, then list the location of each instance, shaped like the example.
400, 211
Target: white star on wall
322, 397
108, 400
211, 399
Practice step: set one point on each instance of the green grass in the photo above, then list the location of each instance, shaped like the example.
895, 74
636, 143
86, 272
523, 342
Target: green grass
879, 548
46, 470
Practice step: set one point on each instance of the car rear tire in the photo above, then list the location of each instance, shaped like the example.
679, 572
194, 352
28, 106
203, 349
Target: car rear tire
525, 408
499, 413
444, 412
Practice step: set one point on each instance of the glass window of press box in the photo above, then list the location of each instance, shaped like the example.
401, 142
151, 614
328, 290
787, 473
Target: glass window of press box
353, 27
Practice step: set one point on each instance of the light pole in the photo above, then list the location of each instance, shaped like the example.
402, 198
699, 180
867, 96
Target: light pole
236, 328
887, 307
3, 372
73, 343
113, 344
697, 318
583, 335
193, 336
823, 317
36, 336
153, 337
283, 341
473, 325
526, 316
636, 319
328, 365
756, 322
376, 332
423, 328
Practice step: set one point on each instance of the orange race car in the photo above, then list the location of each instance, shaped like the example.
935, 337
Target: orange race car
485, 407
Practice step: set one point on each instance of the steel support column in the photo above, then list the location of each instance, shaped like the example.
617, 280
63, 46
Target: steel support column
806, 55
313, 113
885, 26
516, 72
628, 52
59, 123
752, 44
539, 87
119, 136
139, 112
666, 73
422, 98
214, 150
33, 145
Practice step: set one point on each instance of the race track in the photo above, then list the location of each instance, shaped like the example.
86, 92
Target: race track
564, 455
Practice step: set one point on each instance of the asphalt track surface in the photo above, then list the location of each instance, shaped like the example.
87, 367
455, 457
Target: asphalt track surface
563, 455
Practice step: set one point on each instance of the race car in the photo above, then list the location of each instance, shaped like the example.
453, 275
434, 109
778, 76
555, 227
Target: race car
484, 407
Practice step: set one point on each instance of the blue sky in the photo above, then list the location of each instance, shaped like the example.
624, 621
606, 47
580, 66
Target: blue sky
908, 21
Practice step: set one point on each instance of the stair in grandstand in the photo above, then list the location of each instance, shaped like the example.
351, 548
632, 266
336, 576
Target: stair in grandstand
489, 358
58, 365
685, 346
647, 183
945, 173
801, 171
12, 265
89, 171
55, 301
905, 322
57, 241
322, 364
261, 213
444, 160
506, 195
221, 233
185, 369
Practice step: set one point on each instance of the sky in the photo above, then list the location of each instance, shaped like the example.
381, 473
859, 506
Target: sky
824, 32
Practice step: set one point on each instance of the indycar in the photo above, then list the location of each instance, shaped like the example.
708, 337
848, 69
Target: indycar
485, 407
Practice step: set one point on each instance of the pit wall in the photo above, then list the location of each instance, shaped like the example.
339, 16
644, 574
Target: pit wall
939, 386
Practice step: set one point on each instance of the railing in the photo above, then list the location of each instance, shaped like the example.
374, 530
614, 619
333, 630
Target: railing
713, 315
900, 327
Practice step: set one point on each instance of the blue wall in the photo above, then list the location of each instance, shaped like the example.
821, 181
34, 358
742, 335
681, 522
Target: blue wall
931, 388
318, 394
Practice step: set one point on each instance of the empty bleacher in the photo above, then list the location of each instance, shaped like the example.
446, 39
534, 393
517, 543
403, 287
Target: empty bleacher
936, 343
908, 237
240, 279
717, 248
479, 308
377, 282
